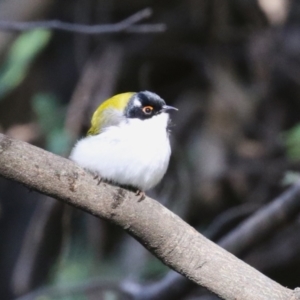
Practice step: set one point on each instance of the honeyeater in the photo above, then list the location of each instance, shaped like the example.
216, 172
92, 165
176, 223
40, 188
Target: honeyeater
128, 141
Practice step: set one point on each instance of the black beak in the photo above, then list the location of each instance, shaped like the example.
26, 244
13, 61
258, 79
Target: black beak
167, 108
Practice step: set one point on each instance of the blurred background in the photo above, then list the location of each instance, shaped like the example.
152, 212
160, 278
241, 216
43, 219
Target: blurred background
232, 67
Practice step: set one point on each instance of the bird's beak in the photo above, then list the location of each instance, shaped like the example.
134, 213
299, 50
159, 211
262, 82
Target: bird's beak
167, 108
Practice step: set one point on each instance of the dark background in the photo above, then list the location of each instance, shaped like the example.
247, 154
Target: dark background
233, 70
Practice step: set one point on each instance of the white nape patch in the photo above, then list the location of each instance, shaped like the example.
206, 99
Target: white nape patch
137, 102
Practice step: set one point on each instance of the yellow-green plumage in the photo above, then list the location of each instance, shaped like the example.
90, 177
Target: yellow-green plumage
102, 117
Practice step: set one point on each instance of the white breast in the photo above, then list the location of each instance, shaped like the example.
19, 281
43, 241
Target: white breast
135, 153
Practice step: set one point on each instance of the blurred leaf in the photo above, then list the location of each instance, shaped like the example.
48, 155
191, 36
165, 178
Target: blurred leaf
110, 296
58, 141
154, 268
73, 271
43, 298
48, 110
22, 53
292, 142
290, 177
50, 114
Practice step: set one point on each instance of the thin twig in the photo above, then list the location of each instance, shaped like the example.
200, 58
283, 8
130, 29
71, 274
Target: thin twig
279, 212
36, 232
125, 25
92, 81
137, 17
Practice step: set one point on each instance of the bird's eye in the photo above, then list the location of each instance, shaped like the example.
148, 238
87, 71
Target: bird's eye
147, 110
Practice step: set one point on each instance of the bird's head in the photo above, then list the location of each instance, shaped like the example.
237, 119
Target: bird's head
141, 105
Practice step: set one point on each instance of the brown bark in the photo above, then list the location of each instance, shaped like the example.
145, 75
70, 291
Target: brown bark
168, 237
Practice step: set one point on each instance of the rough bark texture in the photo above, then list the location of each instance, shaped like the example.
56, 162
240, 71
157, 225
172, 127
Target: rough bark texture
167, 236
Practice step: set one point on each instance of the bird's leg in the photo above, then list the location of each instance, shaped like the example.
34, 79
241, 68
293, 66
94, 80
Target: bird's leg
140, 193
98, 178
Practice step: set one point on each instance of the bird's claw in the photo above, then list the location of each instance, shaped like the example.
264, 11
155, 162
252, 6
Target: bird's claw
98, 178
141, 194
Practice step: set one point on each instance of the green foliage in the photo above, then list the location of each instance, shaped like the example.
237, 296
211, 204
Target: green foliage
154, 268
79, 265
50, 115
290, 177
74, 267
23, 51
292, 143
73, 270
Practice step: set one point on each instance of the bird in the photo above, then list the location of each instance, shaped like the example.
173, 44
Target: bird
128, 142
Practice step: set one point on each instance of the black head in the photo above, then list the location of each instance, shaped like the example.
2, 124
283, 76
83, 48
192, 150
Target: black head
145, 105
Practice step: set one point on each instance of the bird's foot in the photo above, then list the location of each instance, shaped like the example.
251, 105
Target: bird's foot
96, 176
141, 194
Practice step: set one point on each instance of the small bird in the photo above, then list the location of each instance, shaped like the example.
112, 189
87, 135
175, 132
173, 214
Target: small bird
128, 141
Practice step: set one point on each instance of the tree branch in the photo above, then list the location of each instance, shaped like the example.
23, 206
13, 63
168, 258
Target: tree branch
248, 233
277, 213
168, 237
126, 25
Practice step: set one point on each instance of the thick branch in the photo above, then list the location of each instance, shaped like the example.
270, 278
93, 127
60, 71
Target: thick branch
168, 237
254, 229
